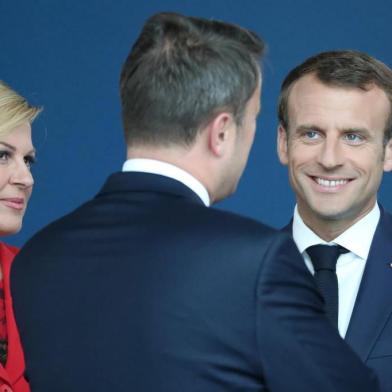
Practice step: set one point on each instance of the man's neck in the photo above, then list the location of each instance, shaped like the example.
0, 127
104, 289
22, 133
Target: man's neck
329, 229
168, 170
192, 159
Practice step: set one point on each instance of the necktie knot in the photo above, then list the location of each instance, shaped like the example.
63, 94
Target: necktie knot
324, 257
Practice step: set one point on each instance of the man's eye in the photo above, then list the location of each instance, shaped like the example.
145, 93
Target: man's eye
353, 138
311, 135
29, 161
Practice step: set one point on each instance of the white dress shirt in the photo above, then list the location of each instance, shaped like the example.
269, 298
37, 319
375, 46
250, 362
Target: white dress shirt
168, 170
350, 266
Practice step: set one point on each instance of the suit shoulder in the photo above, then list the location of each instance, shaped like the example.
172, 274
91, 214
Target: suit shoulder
234, 222
240, 232
387, 216
49, 233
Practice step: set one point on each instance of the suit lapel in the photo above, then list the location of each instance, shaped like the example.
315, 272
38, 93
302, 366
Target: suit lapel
373, 305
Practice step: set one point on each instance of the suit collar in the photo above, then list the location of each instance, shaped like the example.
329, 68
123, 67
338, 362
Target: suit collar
357, 238
166, 169
147, 182
373, 305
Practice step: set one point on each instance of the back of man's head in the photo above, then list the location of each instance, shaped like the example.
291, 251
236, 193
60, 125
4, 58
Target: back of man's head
181, 72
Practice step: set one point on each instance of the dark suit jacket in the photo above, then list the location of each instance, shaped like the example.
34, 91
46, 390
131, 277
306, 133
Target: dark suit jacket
370, 329
145, 289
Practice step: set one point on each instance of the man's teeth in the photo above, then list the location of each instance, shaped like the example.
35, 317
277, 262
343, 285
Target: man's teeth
330, 183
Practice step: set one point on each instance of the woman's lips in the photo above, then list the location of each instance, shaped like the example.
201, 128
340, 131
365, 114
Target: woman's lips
15, 203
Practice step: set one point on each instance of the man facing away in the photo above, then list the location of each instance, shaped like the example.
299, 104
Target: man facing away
335, 136
145, 288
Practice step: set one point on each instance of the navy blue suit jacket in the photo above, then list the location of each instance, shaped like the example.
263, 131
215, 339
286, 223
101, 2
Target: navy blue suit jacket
143, 288
370, 329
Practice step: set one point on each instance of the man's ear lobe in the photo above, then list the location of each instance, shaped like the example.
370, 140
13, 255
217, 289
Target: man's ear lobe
220, 131
388, 156
282, 145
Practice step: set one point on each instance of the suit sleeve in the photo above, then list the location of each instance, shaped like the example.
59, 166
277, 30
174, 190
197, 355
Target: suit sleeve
295, 340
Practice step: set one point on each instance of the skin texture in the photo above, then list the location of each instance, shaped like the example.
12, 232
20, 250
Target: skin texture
334, 152
16, 181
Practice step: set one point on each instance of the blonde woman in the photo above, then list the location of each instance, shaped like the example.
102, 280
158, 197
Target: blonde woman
17, 154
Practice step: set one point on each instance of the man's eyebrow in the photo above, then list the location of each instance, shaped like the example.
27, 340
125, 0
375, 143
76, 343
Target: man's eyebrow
355, 130
308, 127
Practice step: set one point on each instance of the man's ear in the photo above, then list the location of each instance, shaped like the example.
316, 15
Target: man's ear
388, 156
220, 132
282, 145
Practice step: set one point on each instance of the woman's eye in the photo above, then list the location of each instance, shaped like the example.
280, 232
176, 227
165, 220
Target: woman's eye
4, 155
29, 161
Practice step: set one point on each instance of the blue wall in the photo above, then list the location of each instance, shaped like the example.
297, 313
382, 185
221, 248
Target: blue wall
66, 55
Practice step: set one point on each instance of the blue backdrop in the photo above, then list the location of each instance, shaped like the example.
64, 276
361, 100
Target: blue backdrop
66, 55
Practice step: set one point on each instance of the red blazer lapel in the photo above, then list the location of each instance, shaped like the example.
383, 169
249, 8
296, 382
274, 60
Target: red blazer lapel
15, 365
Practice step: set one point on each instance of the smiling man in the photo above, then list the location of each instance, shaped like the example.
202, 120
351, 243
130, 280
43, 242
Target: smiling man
335, 137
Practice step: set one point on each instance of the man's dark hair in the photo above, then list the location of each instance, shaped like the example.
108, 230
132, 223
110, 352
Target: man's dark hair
181, 72
344, 68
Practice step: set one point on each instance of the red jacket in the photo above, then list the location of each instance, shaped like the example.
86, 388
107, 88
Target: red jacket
11, 376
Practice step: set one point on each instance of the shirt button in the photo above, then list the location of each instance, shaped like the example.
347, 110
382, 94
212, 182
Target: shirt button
5, 388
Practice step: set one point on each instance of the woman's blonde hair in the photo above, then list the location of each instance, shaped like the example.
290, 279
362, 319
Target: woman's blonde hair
14, 109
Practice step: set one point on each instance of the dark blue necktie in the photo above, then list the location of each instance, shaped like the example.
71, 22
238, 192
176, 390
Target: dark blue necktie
324, 260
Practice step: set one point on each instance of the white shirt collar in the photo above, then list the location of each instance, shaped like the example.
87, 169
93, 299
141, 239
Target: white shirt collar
168, 170
357, 238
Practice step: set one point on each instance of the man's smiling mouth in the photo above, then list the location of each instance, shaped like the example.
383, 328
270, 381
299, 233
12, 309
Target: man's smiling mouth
330, 183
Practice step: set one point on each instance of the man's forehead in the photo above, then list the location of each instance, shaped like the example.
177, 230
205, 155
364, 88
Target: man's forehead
309, 90
311, 82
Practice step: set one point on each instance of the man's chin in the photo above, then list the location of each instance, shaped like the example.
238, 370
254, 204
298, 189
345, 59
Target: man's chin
332, 214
